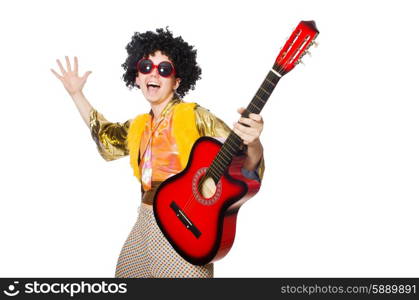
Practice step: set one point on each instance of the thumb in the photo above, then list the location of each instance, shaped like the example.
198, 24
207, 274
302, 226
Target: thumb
86, 75
240, 110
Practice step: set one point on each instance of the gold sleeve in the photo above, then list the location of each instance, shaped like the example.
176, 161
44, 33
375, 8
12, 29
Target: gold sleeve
209, 125
110, 138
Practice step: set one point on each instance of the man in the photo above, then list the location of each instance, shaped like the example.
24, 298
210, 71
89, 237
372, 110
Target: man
158, 143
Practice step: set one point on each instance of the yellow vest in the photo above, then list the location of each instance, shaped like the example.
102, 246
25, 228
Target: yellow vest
184, 130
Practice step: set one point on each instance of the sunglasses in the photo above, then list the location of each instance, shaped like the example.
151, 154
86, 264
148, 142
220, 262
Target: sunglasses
165, 68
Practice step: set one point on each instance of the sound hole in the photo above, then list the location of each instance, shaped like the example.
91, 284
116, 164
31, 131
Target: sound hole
208, 187
204, 188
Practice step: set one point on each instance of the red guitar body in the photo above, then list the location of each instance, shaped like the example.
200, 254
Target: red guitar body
202, 229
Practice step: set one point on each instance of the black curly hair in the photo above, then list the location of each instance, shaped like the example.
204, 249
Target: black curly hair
180, 53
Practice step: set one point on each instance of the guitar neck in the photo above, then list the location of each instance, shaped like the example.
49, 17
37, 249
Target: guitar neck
234, 144
264, 92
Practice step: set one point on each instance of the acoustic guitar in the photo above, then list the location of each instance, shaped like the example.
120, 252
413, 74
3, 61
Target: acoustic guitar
197, 208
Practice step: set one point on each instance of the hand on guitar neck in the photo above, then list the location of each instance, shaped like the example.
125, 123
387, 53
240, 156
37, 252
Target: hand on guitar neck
249, 130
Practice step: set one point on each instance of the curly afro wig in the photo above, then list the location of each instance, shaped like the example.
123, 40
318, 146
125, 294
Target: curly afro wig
180, 53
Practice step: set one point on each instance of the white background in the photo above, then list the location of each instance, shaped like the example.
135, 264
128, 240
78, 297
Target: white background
340, 193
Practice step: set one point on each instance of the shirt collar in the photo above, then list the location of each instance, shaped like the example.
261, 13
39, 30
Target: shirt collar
167, 108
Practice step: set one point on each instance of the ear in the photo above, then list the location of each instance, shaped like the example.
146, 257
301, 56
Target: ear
177, 83
137, 81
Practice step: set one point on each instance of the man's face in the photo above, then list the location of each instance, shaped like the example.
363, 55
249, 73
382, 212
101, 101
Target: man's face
156, 88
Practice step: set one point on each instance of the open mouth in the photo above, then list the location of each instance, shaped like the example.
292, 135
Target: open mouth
153, 86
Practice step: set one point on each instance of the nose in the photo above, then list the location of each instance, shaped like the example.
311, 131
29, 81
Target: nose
154, 72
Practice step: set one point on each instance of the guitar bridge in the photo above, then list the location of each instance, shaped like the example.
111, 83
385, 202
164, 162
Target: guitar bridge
185, 220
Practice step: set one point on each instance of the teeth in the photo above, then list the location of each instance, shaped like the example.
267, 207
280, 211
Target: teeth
153, 83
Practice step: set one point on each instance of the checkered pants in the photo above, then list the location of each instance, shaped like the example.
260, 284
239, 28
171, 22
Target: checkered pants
147, 253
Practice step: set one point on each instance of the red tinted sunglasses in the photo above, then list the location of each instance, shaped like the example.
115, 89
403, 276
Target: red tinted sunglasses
165, 68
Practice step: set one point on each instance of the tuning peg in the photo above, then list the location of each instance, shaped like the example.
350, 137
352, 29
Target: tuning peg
300, 62
306, 52
314, 43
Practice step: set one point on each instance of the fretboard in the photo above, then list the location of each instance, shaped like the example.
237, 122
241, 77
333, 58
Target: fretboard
234, 144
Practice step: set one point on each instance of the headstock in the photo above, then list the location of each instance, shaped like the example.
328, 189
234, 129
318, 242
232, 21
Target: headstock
296, 47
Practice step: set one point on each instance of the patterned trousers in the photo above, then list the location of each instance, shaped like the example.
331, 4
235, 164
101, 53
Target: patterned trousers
147, 253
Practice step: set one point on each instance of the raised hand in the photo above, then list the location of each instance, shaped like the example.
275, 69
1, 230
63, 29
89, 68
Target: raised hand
70, 78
